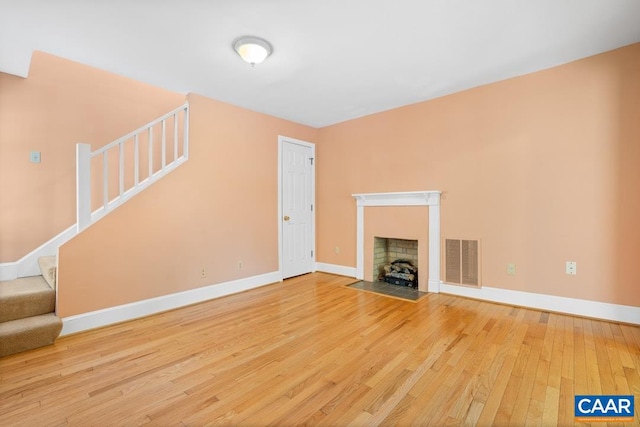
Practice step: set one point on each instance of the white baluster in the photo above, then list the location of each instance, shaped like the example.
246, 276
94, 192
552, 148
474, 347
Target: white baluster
83, 186
185, 150
136, 160
175, 137
164, 144
150, 152
105, 180
121, 168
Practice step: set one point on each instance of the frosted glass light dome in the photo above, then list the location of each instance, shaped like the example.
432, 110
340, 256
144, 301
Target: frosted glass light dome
252, 49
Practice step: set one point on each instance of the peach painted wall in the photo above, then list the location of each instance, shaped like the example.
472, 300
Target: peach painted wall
542, 168
218, 208
60, 104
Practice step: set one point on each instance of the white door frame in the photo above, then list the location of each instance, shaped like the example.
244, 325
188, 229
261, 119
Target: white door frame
281, 140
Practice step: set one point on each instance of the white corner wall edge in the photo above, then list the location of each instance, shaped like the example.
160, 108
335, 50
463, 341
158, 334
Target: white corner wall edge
122, 313
28, 264
340, 270
573, 306
8, 270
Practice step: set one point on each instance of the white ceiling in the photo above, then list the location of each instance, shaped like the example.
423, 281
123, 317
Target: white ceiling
333, 60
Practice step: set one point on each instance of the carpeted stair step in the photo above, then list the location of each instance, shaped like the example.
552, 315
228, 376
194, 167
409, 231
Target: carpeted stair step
48, 267
29, 333
25, 297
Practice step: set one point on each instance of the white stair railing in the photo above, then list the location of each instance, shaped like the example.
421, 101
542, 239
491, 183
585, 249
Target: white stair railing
127, 168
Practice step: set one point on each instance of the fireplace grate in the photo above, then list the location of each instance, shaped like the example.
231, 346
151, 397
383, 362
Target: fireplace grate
400, 272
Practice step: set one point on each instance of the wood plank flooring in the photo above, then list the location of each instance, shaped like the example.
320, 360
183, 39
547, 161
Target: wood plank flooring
311, 351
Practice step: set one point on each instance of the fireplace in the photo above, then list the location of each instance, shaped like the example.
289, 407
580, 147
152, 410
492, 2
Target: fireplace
406, 198
395, 261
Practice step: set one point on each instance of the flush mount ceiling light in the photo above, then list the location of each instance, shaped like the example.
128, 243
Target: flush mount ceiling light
252, 49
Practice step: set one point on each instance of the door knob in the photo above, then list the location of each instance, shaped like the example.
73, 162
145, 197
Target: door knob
286, 218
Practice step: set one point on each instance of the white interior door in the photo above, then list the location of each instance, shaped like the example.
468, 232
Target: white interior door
297, 225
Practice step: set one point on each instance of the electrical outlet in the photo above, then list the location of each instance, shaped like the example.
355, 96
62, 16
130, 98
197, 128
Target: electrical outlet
511, 269
34, 157
571, 267
240, 266
337, 249
203, 272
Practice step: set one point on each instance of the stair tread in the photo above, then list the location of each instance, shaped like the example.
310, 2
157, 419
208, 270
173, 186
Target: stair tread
24, 286
30, 322
25, 297
28, 333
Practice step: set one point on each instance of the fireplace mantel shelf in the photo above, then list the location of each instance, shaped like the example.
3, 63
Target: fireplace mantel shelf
405, 198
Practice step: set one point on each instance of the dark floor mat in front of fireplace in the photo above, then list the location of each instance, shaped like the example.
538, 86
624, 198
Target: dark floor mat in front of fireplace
389, 290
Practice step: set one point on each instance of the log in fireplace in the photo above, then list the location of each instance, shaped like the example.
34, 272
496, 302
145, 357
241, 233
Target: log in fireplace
400, 272
395, 261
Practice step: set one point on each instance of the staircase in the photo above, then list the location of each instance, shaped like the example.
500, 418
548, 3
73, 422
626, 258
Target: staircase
27, 318
136, 160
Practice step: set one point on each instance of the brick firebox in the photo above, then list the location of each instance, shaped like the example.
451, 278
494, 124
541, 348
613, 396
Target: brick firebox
386, 250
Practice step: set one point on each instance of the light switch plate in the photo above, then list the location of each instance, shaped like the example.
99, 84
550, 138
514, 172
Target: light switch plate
34, 157
571, 267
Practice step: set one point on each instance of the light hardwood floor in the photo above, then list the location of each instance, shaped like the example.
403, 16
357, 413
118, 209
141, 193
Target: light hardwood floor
311, 351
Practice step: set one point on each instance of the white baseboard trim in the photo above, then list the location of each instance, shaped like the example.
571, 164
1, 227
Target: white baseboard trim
121, 313
336, 269
28, 264
578, 307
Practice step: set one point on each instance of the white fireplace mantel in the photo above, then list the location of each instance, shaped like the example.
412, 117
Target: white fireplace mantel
406, 198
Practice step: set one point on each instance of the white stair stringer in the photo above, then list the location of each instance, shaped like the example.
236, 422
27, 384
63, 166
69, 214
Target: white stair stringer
28, 264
